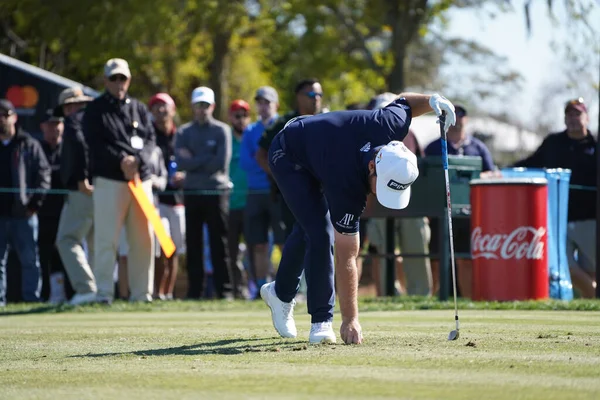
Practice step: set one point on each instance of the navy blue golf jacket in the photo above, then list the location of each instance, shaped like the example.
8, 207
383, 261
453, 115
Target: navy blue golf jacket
336, 148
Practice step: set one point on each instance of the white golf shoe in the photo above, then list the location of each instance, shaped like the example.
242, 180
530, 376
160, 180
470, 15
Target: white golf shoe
282, 313
321, 332
84, 298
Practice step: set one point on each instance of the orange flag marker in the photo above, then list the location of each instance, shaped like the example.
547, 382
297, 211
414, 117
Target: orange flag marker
166, 243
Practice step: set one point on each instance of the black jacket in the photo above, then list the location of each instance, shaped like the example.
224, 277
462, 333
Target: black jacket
167, 146
29, 170
560, 151
108, 126
53, 203
74, 158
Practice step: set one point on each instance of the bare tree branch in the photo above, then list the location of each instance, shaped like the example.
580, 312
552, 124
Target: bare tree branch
13, 37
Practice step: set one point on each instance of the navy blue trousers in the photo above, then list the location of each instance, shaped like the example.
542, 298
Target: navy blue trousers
21, 234
310, 245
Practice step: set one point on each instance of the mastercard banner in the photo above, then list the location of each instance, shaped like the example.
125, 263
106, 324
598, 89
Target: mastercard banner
22, 96
32, 90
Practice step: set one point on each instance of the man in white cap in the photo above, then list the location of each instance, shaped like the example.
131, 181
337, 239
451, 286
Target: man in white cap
120, 136
203, 152
325, 166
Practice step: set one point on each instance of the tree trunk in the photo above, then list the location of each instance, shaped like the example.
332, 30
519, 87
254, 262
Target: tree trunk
218, 72
395, 80
405, 17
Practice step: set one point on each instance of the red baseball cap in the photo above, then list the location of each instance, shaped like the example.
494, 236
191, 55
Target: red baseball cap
161, 98
239, 104
577, 104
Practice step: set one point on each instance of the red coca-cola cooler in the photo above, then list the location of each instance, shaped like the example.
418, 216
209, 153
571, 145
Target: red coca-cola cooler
508, 239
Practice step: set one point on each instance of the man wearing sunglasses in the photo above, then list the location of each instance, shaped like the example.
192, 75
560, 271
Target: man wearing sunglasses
325, 166
120, 136
23, 166
575, 149
309, 95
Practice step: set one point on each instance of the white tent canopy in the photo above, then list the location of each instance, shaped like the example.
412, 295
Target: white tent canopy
505, 137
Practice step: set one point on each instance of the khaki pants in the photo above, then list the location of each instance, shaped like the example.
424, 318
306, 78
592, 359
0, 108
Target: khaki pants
581, 238
76, 224
413, 236
115, 207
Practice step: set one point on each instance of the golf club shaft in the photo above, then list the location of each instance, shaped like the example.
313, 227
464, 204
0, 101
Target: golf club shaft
449, 207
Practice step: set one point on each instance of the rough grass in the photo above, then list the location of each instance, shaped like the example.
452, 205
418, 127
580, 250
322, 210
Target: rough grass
218, 350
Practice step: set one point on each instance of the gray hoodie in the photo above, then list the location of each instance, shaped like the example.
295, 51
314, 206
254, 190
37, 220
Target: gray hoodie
210, 148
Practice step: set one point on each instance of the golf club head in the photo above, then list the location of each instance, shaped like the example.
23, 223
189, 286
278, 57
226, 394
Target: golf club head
453, 335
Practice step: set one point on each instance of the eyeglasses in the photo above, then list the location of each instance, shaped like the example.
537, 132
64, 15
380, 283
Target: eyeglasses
6, 114
240, 116
313, 95
117, 77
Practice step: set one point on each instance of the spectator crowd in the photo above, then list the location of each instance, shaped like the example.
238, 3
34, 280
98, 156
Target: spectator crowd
89, 241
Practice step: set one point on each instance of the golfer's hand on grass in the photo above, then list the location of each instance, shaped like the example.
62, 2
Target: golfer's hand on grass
351, 332
440, 103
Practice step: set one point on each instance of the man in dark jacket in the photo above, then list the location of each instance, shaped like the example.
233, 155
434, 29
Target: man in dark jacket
24, 168
575, 149
77, 217
119, 133
309, 95
53, 274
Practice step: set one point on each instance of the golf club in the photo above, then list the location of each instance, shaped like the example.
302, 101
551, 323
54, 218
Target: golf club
442, 120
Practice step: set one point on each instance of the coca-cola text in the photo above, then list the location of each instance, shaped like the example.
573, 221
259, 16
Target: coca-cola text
523, 242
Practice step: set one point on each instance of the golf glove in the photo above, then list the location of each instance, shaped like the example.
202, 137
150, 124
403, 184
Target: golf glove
440, 103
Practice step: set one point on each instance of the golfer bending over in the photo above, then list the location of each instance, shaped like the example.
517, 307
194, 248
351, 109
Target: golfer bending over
325, 166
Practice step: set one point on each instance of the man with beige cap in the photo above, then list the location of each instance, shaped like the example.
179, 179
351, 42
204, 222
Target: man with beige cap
120, 136
76, 219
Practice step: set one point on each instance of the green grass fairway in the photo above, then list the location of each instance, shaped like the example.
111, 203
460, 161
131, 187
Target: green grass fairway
191, 350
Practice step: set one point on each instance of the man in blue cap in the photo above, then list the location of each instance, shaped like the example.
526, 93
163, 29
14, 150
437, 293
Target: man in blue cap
325, 166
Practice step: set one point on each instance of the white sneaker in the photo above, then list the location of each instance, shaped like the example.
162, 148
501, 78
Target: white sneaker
57, 288
85, 298
282, 313
321, 332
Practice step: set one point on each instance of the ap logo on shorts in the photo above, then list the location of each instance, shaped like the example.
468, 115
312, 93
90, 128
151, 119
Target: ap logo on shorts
346, 221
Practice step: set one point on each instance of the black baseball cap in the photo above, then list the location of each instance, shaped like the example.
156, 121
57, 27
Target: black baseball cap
7, 106
52, 115
460, 111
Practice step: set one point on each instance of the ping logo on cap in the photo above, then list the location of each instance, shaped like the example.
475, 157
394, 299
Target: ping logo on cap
392, 184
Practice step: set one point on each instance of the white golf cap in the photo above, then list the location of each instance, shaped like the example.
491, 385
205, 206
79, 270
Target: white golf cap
396, 169
203, 94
